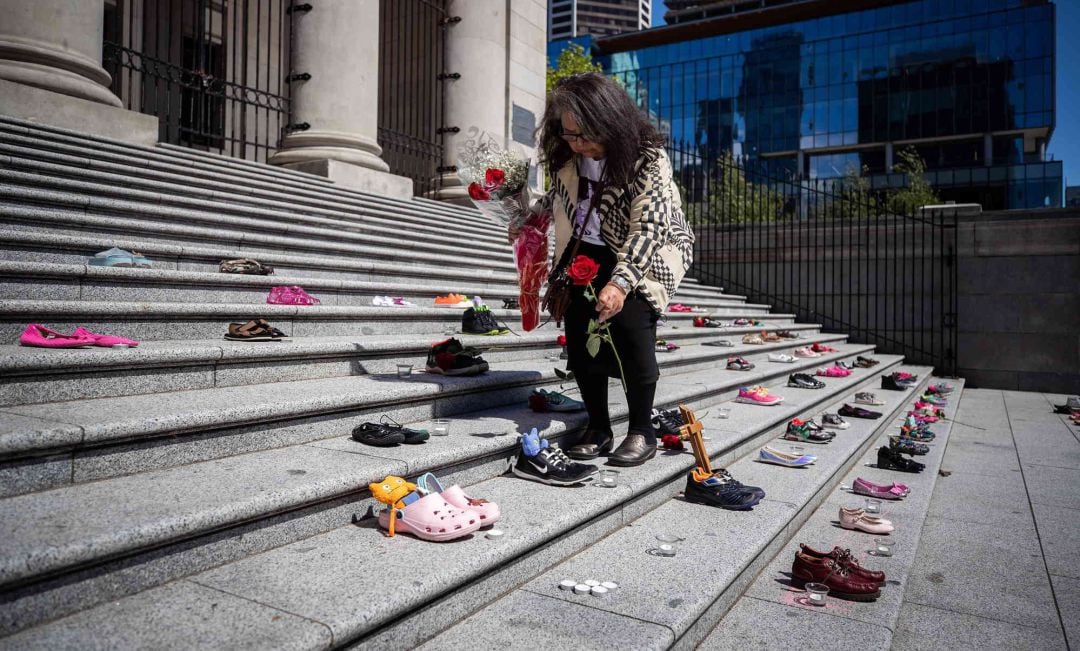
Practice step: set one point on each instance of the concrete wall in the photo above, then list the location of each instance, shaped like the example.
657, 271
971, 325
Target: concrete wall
1019, 300
1017, 286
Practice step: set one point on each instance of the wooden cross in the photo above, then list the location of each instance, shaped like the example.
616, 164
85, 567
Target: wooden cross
692, 430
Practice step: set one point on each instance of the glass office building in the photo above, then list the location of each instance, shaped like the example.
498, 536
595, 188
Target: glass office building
968, 83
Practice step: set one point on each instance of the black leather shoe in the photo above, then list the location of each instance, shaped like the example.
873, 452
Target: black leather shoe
592, 444
633, 451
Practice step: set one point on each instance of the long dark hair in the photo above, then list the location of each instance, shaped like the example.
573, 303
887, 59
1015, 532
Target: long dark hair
606, 115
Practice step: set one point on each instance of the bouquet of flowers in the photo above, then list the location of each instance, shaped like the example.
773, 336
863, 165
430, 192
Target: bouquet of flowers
498, 186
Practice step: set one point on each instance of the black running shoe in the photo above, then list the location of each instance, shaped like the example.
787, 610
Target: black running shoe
552, 466
722, 490
804, 381
890, 383
890, 459
451, 358
386, 434
479, 320
511, 304
667, 421
858, 412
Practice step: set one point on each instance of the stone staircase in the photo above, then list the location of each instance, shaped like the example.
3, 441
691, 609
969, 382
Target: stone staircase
196, 492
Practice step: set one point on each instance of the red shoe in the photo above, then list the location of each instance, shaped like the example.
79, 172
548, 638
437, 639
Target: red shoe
679, 307
842, 582
822, 348
846, 560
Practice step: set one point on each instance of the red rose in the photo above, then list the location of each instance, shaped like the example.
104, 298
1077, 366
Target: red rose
582, 270
494, 178
478, 193
561, 340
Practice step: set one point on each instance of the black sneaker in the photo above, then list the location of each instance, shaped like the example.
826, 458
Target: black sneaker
451, 358
511, 304
480, 321
387, 434
858, 412
804, 381
866, 362
890, 383
890, 459
721, 489
552, 466
667, 421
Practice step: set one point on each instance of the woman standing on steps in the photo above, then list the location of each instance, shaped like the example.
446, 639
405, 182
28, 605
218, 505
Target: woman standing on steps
612, 188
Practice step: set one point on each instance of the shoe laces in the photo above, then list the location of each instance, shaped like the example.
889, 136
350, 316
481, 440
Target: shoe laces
558, 458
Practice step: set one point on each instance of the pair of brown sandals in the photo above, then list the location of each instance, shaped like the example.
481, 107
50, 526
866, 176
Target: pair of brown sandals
254, 330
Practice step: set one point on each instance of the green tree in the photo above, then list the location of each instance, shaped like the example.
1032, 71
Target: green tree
917, 193
572, 60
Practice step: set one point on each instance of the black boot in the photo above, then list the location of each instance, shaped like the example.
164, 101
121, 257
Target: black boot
592, 444
633, 451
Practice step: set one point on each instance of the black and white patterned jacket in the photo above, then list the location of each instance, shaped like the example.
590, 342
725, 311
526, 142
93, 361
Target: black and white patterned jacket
643, 222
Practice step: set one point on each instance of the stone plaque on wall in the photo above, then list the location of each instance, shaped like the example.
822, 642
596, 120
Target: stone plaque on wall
523, 126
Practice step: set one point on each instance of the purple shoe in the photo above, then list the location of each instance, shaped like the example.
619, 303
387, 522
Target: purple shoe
870, 489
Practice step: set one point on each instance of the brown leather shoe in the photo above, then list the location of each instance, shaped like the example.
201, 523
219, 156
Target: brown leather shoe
633, 451
842, 583
592, 444
846, 560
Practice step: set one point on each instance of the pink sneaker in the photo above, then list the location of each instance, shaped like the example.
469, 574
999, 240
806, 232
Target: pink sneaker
833, 371
290, 295
679, 307
758, 396
806, 352
105, 341
39, 336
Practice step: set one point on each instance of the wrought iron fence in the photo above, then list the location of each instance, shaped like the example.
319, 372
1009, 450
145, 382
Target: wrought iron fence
411, 59
831, 252
213, 72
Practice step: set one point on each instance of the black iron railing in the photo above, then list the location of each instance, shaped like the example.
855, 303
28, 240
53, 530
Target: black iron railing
835, 252
411, 75
213, 72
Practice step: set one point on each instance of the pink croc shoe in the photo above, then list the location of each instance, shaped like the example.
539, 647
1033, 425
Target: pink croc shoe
105, 341
433, 518
488, 511
39, 336
290, 295
833, 371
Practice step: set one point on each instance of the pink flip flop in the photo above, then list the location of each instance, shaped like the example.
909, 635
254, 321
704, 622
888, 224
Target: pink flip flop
104, 341
39, 336
433, 518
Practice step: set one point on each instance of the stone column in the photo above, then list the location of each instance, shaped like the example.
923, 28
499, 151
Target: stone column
337, 43
55, 45
476, 103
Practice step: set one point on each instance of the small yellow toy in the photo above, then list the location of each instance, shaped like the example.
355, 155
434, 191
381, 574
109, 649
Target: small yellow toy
391, 491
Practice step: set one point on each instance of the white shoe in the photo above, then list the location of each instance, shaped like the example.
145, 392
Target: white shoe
782, 358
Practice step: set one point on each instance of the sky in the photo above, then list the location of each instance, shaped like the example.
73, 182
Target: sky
1065, 143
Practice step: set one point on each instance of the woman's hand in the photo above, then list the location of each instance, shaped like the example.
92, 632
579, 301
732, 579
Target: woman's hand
610, 301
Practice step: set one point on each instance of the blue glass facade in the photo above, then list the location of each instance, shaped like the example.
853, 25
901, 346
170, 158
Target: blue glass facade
969, 83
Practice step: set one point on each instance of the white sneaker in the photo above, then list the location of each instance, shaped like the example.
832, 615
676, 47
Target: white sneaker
782, 358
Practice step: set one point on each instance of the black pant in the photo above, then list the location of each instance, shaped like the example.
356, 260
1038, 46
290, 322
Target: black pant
633, 332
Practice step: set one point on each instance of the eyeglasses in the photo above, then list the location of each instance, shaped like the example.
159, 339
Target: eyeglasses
573, 137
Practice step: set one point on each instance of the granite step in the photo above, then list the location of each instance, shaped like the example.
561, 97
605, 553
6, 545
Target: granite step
202, 165
153, 321
36, 375
69, 173
29, 280
771, 597
52, 444
85, 207
70, 248
721, 552
189, 519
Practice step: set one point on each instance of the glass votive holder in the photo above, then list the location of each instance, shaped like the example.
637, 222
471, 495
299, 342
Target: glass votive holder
449, 329
404, 370
553, 356
884, 547
440, 427
609, 478
873, 507
816, 593
668, 543
796, 450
